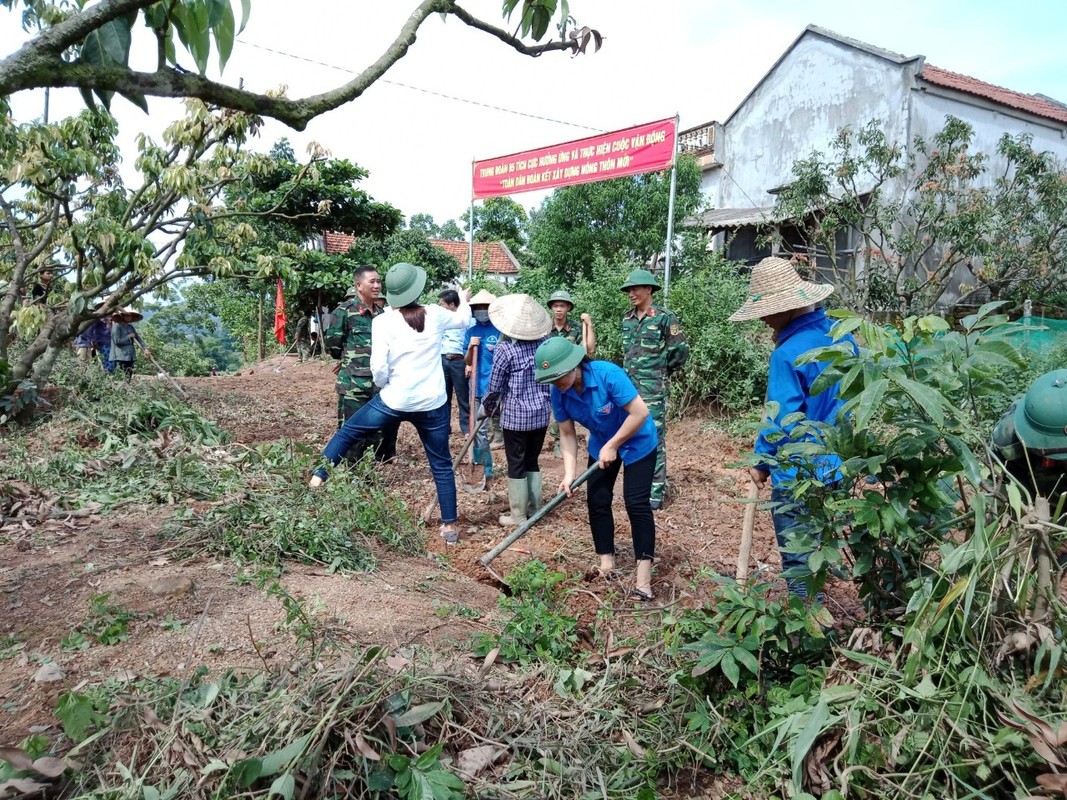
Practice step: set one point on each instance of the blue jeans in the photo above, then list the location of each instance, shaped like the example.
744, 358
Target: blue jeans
433, 427
790, 517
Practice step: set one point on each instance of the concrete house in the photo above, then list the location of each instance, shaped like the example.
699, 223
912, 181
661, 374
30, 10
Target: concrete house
824, 82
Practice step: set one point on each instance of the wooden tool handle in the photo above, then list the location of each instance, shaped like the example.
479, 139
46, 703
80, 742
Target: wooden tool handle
746, 531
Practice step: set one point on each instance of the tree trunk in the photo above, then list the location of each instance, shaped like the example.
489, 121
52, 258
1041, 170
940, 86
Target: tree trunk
260, 343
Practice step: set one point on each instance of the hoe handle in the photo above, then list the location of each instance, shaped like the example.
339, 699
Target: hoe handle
546, 509
746, 531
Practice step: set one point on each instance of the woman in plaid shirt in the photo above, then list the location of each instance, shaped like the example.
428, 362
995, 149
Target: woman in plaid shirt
523, 403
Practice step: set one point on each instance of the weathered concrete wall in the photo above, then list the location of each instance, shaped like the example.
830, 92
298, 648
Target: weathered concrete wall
930, 107
819, 87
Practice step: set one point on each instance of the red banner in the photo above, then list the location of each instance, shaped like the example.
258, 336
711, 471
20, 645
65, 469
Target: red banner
279, 315
642, 148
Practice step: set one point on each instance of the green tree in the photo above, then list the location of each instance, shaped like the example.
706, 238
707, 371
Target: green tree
425, 224
305, 200
88, 46
927, 219
499, 219
113, 244
624, 218
450, 230
183, 326
408, 245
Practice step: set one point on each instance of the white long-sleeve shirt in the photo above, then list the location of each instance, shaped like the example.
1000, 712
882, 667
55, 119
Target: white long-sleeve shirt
406, 364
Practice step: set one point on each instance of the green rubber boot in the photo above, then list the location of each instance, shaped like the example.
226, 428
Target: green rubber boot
533, 489
518, 497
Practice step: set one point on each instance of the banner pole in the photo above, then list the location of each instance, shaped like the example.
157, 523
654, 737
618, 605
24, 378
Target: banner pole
470, 252
670, 213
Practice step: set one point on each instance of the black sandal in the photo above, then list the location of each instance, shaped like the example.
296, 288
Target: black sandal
644, 597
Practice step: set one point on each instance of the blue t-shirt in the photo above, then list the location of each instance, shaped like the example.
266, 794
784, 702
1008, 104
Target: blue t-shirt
489, 336
606, 389
789, 385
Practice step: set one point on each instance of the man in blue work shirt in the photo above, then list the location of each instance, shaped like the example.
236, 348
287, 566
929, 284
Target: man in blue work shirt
786, 303
482, 335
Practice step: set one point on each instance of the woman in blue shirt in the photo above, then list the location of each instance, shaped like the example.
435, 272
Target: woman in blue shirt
622, 435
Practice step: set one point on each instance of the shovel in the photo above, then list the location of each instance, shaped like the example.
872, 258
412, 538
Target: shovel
746, 531
541, 513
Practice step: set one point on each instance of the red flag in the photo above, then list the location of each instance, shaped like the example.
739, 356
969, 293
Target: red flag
279, 315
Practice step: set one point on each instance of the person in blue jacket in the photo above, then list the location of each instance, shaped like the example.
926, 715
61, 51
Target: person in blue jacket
622, 436
484, 336
787, 304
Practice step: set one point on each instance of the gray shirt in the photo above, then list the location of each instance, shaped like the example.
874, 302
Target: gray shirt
123, 337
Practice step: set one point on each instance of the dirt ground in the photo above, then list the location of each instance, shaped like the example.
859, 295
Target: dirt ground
192, 613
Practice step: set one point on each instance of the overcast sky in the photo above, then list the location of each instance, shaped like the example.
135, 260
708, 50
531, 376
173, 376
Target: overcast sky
459, 94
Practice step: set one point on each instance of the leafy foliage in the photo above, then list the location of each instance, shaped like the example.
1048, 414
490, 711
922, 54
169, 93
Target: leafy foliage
89, 48
927, 220
499, 219
539, 629
624, 219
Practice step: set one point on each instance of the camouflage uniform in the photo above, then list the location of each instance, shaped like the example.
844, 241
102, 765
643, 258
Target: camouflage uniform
653, 349
573, 334
349, 339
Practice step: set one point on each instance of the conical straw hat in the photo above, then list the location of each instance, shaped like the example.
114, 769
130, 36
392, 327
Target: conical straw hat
127, 315
483, 298
520, 317
775, 287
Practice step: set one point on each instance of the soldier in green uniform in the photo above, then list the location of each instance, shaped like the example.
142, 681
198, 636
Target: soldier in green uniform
561, 304
653, 349
348, 339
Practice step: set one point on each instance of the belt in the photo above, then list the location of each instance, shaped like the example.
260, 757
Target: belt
452, 356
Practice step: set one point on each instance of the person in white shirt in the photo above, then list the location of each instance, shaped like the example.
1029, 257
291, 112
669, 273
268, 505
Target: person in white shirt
452, 352
405, 363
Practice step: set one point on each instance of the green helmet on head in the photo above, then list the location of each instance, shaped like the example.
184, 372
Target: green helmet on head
561, 296
640, 277
1041, 415
555, 358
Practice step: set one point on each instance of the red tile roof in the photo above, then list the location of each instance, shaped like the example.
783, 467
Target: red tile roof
1023, 102
500, 261
337, 242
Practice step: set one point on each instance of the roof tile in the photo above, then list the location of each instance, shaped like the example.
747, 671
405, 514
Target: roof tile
998, 94
500, 259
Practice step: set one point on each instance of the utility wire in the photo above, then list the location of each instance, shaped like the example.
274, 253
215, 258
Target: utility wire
420, 89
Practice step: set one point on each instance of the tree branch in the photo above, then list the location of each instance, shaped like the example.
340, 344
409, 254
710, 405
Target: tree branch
39, 63
509, 39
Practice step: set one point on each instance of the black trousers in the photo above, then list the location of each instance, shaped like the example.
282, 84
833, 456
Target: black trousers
522, 449
636, 486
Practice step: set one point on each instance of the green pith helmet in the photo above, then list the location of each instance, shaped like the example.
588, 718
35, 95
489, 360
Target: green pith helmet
404, 283
1041, 415
555, 358
640, 277
561, 296
351, 292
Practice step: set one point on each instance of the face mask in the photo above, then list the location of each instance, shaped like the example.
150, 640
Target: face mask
481, 316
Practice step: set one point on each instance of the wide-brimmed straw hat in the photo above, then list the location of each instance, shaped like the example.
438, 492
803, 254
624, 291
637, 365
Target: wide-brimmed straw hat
483, 298
775, 287
404, 283
520, 317
127, 315
555, 358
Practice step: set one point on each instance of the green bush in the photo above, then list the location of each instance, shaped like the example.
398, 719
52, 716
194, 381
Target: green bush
727, 364
539, 629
